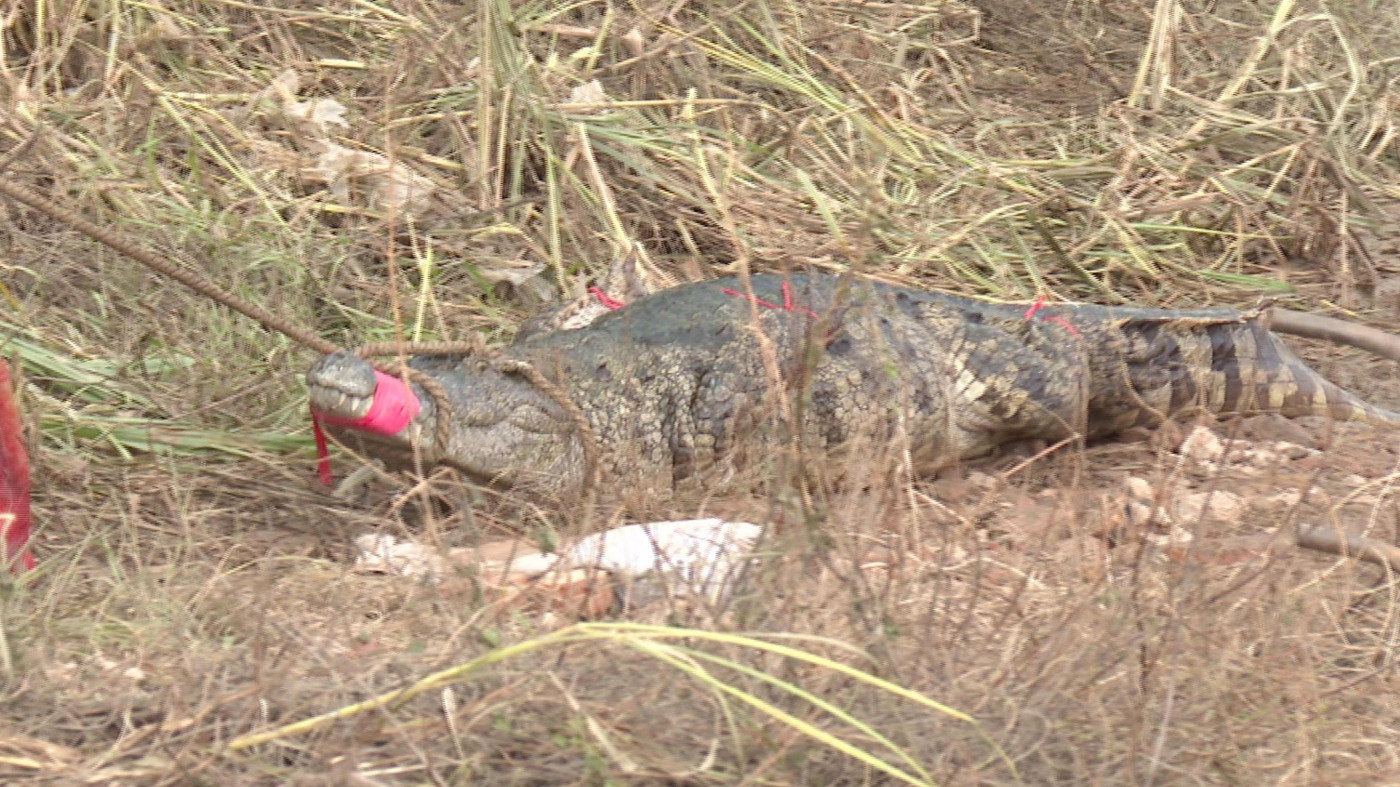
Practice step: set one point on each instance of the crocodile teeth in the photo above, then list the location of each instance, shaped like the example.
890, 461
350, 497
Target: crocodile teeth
341, 385
329, 401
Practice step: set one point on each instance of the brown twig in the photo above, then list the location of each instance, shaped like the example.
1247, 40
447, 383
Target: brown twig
1315, 326
1336, 542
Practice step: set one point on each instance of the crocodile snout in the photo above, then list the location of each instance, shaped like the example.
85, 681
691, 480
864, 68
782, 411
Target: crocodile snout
341, 385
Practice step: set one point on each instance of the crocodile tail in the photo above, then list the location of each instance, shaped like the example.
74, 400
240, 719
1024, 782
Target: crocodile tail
1239, 366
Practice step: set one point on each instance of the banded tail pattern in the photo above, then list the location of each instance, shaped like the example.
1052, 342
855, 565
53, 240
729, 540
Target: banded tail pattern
1231, 365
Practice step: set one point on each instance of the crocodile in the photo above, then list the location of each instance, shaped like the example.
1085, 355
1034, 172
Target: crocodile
686, 378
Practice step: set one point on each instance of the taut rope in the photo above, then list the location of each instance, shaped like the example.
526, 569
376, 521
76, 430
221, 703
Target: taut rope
187, 276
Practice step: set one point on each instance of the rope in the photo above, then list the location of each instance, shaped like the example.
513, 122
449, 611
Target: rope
592, 449
185, 275
177, 272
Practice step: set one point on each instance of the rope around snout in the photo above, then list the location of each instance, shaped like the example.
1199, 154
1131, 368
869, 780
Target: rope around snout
588, 438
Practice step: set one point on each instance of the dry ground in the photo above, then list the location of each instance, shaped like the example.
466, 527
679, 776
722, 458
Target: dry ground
196, 582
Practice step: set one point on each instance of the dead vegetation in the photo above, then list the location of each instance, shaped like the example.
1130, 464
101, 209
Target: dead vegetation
432, 170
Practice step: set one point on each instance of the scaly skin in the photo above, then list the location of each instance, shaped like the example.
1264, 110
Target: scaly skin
678, 380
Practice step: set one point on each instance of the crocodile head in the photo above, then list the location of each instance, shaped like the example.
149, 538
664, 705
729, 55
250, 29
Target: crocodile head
500, 429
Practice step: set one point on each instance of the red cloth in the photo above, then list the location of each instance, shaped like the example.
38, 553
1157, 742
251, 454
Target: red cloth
14, 480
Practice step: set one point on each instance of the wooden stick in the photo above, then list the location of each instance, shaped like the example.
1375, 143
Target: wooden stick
1335, 542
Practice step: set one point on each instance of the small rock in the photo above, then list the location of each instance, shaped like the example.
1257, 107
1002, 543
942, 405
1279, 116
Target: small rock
635, 42
1176, 537
1261, 457
1139, 488
1277, 428
1142, 514
1205, 468
1218, 506
1293, 450
1202, 445
1168, 436
1281, 500
979, 481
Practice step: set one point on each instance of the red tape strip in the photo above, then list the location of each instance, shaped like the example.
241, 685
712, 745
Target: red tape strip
393, 408
788, 305
603, 298
1035, 307
323, 452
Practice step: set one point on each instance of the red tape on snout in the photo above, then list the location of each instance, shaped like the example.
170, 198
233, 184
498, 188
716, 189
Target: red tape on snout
393, 408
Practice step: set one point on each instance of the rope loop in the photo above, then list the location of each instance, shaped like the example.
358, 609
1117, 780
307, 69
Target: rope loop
592, 449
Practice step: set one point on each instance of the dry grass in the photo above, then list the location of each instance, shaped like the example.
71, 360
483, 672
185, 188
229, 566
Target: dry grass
195, 584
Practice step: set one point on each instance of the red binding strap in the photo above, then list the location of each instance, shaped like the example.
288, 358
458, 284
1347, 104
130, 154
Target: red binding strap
1062, 322
393, 408
603, 298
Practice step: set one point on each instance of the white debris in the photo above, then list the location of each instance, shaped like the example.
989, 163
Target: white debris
315, 116
514, 273
1275, 452
386, 184
320, 113
1193, 507
384, 554
701, 557
1205, 448
1260, 457
588, 93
